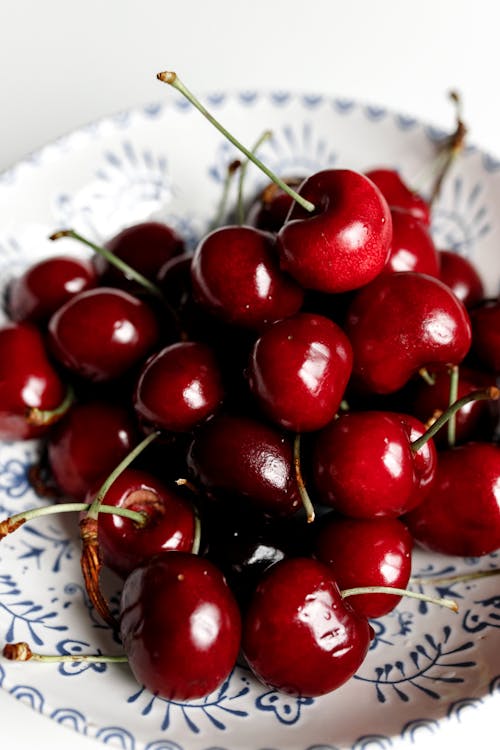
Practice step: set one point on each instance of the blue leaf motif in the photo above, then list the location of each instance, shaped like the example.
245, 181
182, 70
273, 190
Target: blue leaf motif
286, 708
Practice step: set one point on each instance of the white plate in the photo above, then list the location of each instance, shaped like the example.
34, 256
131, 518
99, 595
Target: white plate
426, 666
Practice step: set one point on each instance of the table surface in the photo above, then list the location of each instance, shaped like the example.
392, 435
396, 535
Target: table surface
65, 64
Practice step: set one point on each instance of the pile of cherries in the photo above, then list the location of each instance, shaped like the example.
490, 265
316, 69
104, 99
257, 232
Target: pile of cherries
295, 366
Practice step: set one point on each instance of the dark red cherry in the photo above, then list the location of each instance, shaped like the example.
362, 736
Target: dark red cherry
399, 195
299, 635
27, 381
299, 370
360, 552
146, 247
88, 444
459, 274
402, 322
179, 387
461, 514
102, 333
344, 243
180, 626
236, 277
47, 285
170, 521
486, 335
242, 458
364, 465
412, 246
271, 207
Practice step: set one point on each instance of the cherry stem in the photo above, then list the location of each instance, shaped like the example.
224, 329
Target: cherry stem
451, 148
22, 652
45, 417
173, 80
13, 522
304, 495
221, 211
452, 424
491, 393
458, 578
122, 266
441, 602
426, 375
244, 167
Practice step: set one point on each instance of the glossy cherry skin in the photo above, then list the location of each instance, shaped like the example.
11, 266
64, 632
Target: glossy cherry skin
88, 444
461, 514
402, 322
180, 626
179, 387
360, 552
236, 277
344, 243
399, 195
364, 465
270, 209
242, 458
299, 369
460, 275
412, 246
47, 285
102, 333
299, 636
27, 380
145, 247
170, 521
486, 335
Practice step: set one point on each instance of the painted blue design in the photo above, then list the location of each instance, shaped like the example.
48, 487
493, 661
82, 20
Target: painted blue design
153, 110
216, 99
312, 101
405, 122
77, 648
162, 745
464, 219
485, 613
322, 747
428, 663
24, 614
372, 742
344, 106
14, 476
30, 696
457, 708
2, 675
70, 718
286, 708
413, 730
280, 98
375, 114
490, 163
248, 98
38, 544
396, 624
116, 736
494, 686
435, 134
77, 590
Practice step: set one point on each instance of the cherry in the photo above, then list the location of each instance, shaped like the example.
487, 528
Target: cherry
180, 626
402, 322
399, 195
412, 247
486, 335
236, 458
32, 395
236, 276
87, 445
102, 333
299, 370
47, 285
365, 466
169, 521
270, 208
344, 243
361, 552
461, 514
179, 387
299, 636
459, 274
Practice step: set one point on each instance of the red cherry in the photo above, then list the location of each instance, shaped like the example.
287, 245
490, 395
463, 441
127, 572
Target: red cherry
460, 275
344, 243
365, 467
271, 207
486, 335
360, 552
402, 322
399, 195
170, 521
236, 276
88, 444
179, 387
180, 626
299, 370
47, 285
461, 514
27, 381
102, 333
299, 636
412, 247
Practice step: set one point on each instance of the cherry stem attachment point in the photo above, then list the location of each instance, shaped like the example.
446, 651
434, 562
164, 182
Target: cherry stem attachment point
304, 495
22, 652
452, 146
173, 80
426, 376
492, 393
244, 167
441, 602
452, 424
45, 417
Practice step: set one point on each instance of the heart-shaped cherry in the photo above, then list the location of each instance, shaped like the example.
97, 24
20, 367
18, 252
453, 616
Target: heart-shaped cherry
399, 195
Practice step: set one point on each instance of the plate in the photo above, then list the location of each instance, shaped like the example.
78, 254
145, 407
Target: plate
426, 667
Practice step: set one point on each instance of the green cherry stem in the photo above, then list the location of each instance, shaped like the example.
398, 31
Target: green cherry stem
452, 147
441, 602
44, 417
231, 170
458, 578
173, 80
304, 495
22, 652
452, 424
492, 393
243, 171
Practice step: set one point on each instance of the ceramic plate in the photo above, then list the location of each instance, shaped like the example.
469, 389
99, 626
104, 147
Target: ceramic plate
427, 667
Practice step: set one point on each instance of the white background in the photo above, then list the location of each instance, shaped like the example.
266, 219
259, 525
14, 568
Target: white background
65, 63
